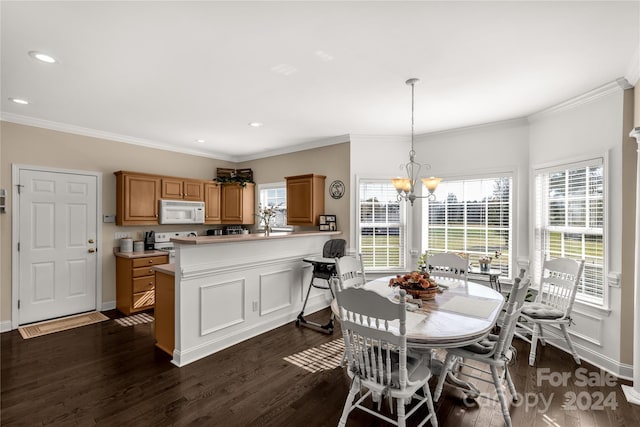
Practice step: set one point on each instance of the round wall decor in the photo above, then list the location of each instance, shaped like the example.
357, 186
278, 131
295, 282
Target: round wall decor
336, 189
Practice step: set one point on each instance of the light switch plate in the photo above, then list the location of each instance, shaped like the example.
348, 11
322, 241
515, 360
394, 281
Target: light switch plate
108, 218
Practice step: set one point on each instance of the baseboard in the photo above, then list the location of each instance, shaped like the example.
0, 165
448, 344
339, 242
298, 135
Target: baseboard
614, 367
108, 305
5, 326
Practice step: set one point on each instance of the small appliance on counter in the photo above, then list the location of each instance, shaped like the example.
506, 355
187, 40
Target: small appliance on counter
214, 232
233, 229
149, 240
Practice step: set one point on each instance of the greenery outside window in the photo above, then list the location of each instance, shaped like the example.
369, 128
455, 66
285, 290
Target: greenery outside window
381, 226
274, 194
569, 222
474, 216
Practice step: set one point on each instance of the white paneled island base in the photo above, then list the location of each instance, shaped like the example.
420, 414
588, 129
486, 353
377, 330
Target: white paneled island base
231, 288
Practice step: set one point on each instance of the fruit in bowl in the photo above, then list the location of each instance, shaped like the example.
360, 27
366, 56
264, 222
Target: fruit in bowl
413, 281
416, 284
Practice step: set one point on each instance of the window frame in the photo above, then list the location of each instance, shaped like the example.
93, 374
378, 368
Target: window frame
269, 186
512, 227
403, 225
537, 254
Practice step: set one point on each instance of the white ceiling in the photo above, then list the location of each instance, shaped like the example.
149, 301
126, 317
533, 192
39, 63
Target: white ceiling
168, 73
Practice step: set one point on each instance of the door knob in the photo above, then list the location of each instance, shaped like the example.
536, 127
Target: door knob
91, 250
90, 240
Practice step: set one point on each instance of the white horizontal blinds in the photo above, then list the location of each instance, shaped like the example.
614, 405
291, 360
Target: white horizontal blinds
275, 195
472, 216
570, 221
381, 226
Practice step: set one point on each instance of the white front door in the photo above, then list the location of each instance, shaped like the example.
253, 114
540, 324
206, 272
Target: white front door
57, 244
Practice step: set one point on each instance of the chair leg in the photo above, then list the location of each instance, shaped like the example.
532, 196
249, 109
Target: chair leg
541, 335
401, 413
349, 403
503, 403
427, 394
512, 388
534, 343
570, 343
446, 367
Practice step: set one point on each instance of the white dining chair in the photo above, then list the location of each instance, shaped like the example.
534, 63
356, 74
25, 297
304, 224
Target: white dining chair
495, 351
552, 306
448, 266
374, 331
350, 272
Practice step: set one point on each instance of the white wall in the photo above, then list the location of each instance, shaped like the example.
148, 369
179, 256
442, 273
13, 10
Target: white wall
590, 126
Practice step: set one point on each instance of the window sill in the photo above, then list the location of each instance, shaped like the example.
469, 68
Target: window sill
599, 308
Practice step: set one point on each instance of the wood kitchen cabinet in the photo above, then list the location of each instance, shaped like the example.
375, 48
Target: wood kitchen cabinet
212, 203
305, 199
237, 203
137, 198
182, 189
136, 282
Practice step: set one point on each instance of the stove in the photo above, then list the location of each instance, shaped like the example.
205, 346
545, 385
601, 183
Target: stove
164, 243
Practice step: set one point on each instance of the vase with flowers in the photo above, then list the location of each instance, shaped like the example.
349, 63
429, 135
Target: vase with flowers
266, 214
485, 261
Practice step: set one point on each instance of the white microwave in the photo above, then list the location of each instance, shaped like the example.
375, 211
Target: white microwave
181, 212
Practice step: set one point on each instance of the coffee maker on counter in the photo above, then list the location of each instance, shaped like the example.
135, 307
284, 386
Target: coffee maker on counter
149, 240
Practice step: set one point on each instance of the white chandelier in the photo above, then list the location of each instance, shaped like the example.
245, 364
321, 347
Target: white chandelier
406, 186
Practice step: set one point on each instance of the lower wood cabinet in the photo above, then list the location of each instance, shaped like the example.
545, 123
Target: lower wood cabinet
165, 312
136, 282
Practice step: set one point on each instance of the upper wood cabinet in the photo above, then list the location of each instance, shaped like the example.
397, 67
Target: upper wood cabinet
137, 198
305, 199
212, 203
238, 204
182, 189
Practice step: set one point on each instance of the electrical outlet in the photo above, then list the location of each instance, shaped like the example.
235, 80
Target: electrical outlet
108, 218
121, 234
255, 306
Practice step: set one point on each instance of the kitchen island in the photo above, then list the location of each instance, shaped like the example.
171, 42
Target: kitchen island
231, 288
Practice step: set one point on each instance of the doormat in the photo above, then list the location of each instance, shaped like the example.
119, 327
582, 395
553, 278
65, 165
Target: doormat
62, 324
136, 319
322, 358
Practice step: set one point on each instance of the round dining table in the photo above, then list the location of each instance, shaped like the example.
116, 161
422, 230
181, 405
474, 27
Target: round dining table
462, 313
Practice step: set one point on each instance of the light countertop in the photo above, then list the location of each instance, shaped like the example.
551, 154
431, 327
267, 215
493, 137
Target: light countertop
206, 240
169, 269
116, 252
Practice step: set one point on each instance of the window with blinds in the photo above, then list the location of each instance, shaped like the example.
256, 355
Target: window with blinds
473, 216
569, 222
382, 230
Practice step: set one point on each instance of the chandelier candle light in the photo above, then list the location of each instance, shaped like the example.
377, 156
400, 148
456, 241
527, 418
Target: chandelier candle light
406, 186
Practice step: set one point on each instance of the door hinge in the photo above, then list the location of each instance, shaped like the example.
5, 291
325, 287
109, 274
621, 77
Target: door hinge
19, 188
18, 304
18, 246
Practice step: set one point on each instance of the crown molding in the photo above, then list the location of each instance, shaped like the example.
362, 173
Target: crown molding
295, 148
633, 69
94, 133
518, 121
616, 86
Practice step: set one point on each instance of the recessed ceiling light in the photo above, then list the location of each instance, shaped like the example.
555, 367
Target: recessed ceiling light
42, 57
255, 124
200, 141
19, 101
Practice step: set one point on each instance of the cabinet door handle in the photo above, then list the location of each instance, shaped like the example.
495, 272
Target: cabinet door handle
150, 261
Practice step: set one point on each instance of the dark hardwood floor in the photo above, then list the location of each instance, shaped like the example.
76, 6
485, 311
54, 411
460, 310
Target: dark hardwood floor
106, 374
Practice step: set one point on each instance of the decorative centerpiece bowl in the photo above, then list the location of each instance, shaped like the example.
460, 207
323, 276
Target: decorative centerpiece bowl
417, 284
